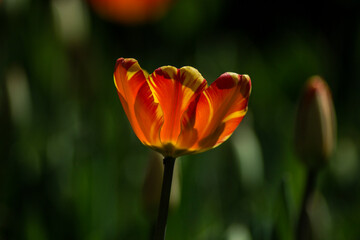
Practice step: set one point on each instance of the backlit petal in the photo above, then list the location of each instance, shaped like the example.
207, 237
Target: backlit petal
220, 109
144, 114
174, 89
189, 134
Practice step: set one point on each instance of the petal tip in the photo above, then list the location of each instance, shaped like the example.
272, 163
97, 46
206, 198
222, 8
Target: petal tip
166, 71
245, 78
227, 80
125, 62
245, 83
118, 62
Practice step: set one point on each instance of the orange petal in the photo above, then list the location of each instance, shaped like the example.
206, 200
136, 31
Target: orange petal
189, 134
143, 112
220, 109
174, 89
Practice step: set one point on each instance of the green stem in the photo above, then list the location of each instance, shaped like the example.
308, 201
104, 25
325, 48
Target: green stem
303, 226
164, 199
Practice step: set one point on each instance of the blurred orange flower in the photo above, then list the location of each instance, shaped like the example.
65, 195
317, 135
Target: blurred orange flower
175, 112
130, 11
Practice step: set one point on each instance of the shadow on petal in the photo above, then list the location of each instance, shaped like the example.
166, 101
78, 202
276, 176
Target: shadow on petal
211, 140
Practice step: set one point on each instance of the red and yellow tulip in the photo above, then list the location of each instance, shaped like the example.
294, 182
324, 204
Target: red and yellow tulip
175, 112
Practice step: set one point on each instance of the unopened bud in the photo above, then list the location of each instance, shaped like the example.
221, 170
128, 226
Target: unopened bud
153, 184
315, 134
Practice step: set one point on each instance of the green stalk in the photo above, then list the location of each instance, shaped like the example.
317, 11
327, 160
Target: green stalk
303, 230
164, 199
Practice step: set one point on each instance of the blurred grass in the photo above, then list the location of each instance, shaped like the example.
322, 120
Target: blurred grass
71, 167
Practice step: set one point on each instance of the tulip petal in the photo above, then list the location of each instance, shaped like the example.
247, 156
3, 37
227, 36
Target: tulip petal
189, 134
174, 89
220, 109
149, 116
144, 114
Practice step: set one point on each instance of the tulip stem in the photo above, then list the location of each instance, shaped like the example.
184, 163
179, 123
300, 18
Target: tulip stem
303, 226
164, 199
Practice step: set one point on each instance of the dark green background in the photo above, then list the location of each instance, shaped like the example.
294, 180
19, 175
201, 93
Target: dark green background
72, 168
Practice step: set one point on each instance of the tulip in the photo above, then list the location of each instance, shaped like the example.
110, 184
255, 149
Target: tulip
315, 138
316, 124
175, 112
130, 11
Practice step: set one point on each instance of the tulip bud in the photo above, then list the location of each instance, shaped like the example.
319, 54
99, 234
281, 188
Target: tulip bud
315, 133
153, 184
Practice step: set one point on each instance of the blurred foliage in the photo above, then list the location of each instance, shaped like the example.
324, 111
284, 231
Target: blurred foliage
71, 167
